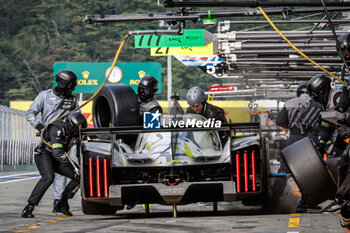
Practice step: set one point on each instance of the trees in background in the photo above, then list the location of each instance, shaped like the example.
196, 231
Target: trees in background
35, 34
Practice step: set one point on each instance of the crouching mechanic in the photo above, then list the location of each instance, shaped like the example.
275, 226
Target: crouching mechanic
61, 135
196, 99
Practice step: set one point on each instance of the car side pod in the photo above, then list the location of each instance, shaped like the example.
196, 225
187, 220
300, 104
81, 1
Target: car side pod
309, 172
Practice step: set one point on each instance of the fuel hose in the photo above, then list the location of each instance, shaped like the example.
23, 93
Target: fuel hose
89, 100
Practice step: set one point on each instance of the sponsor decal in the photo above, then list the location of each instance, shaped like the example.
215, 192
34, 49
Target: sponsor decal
172, 190
136, 82
86, 81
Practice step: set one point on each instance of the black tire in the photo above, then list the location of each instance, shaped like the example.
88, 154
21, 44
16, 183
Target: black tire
309, 172
94, 208
117, 105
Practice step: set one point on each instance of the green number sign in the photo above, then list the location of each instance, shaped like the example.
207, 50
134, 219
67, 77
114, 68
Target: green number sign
190, 38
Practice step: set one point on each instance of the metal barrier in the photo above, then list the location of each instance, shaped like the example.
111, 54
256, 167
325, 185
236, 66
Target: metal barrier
14, 125
14, 152
17, 138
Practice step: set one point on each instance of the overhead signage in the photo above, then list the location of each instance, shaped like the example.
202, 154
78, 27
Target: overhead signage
171, 51
201, 60
222, 88
91, 75
190, 38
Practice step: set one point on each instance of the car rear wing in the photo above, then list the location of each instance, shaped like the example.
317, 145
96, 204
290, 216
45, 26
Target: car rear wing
250, 127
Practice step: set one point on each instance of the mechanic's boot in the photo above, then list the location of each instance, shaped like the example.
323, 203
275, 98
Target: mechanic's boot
344, 217
333, 207
301, 208
54, 205
63, 207
28, 211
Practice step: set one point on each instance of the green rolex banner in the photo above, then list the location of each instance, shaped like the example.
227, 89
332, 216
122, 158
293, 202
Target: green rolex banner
92, 74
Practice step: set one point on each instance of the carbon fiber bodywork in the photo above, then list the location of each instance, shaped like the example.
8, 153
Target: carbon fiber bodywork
120, 174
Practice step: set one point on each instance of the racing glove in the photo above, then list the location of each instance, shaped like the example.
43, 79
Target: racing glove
39, 127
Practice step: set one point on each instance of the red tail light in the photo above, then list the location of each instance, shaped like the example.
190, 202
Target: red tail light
98, 183
253, 171
238, 174
105, 176
245, 171
90, 178
248, 165
98, 177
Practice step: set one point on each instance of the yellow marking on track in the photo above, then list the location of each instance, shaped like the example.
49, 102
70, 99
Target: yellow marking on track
294, 222
294, 214
35, 227
58, 219
27, 229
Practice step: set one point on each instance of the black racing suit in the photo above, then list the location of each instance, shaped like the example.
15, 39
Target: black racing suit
300, 115
151, 105
54, 160
217, 113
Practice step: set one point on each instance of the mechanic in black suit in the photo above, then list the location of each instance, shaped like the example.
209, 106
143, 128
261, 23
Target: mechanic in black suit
300, 115
60, 135
147, 89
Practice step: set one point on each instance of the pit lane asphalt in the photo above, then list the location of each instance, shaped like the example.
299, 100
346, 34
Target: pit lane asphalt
231, 217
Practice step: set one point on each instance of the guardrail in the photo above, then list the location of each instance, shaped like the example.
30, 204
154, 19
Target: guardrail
17, 138
14, 125
14, 152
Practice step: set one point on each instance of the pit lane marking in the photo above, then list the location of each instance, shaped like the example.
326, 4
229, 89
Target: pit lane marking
58, 219
27, 229
19, 177
35, 227
293, 221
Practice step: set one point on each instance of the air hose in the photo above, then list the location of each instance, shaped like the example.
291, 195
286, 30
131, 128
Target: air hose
295, 48
89, 100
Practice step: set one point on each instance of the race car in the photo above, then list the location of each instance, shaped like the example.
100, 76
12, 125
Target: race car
128, 165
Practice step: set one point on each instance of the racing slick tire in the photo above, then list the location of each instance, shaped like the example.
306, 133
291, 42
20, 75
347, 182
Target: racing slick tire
116, 105
97, 208
309, 172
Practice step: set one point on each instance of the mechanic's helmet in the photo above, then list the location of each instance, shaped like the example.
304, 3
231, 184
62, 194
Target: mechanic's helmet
195, 96
319, 88
77, 119
344, 42
302, 88
147, 88
66, 82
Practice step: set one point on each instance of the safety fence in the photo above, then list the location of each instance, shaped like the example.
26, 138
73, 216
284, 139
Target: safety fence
14, 152
17, 138
14, 125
